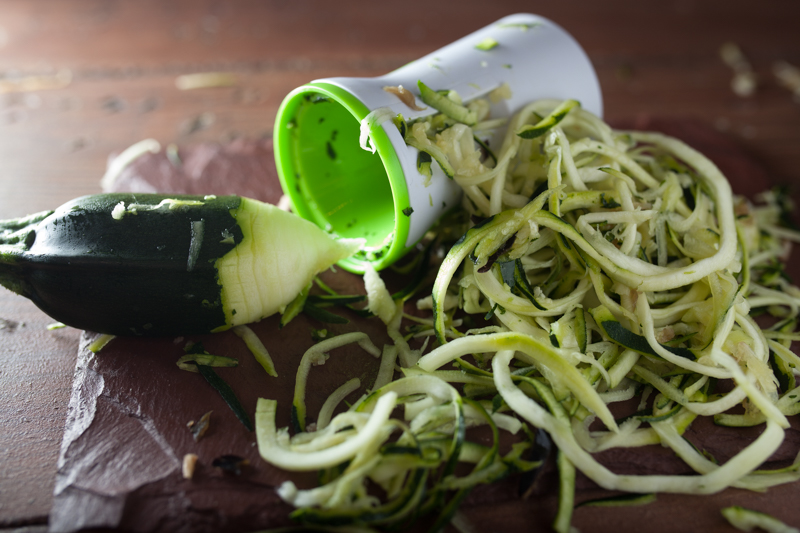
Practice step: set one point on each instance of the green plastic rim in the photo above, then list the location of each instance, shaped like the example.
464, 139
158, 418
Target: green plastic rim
336, 184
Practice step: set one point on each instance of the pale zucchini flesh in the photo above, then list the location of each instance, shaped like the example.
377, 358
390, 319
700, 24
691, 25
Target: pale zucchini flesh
277, 258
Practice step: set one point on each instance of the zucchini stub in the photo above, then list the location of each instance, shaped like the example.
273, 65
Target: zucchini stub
152, 264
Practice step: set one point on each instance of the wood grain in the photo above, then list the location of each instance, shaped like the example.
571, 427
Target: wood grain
653, 59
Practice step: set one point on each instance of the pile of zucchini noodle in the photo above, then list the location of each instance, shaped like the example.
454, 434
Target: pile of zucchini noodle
609, 266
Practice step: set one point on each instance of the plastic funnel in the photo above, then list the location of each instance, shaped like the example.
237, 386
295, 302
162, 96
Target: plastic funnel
381, 196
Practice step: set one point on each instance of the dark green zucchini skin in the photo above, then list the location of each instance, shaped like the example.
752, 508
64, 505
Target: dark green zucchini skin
124, 276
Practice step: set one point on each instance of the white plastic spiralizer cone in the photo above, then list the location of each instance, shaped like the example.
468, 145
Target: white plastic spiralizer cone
382, 196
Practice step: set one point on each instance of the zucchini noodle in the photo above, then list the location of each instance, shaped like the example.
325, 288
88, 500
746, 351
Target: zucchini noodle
612, 267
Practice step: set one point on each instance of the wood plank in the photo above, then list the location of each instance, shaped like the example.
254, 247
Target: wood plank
35, 383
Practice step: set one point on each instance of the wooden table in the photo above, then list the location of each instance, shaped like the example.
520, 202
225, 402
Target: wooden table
82, 79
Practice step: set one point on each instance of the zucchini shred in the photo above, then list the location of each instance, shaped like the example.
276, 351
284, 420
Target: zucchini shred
616, 278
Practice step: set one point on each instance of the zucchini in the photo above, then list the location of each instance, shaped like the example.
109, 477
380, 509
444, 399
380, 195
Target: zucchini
620, 500
151, 264
625, 337
513, 274
447, 106
746, 519
532, 131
